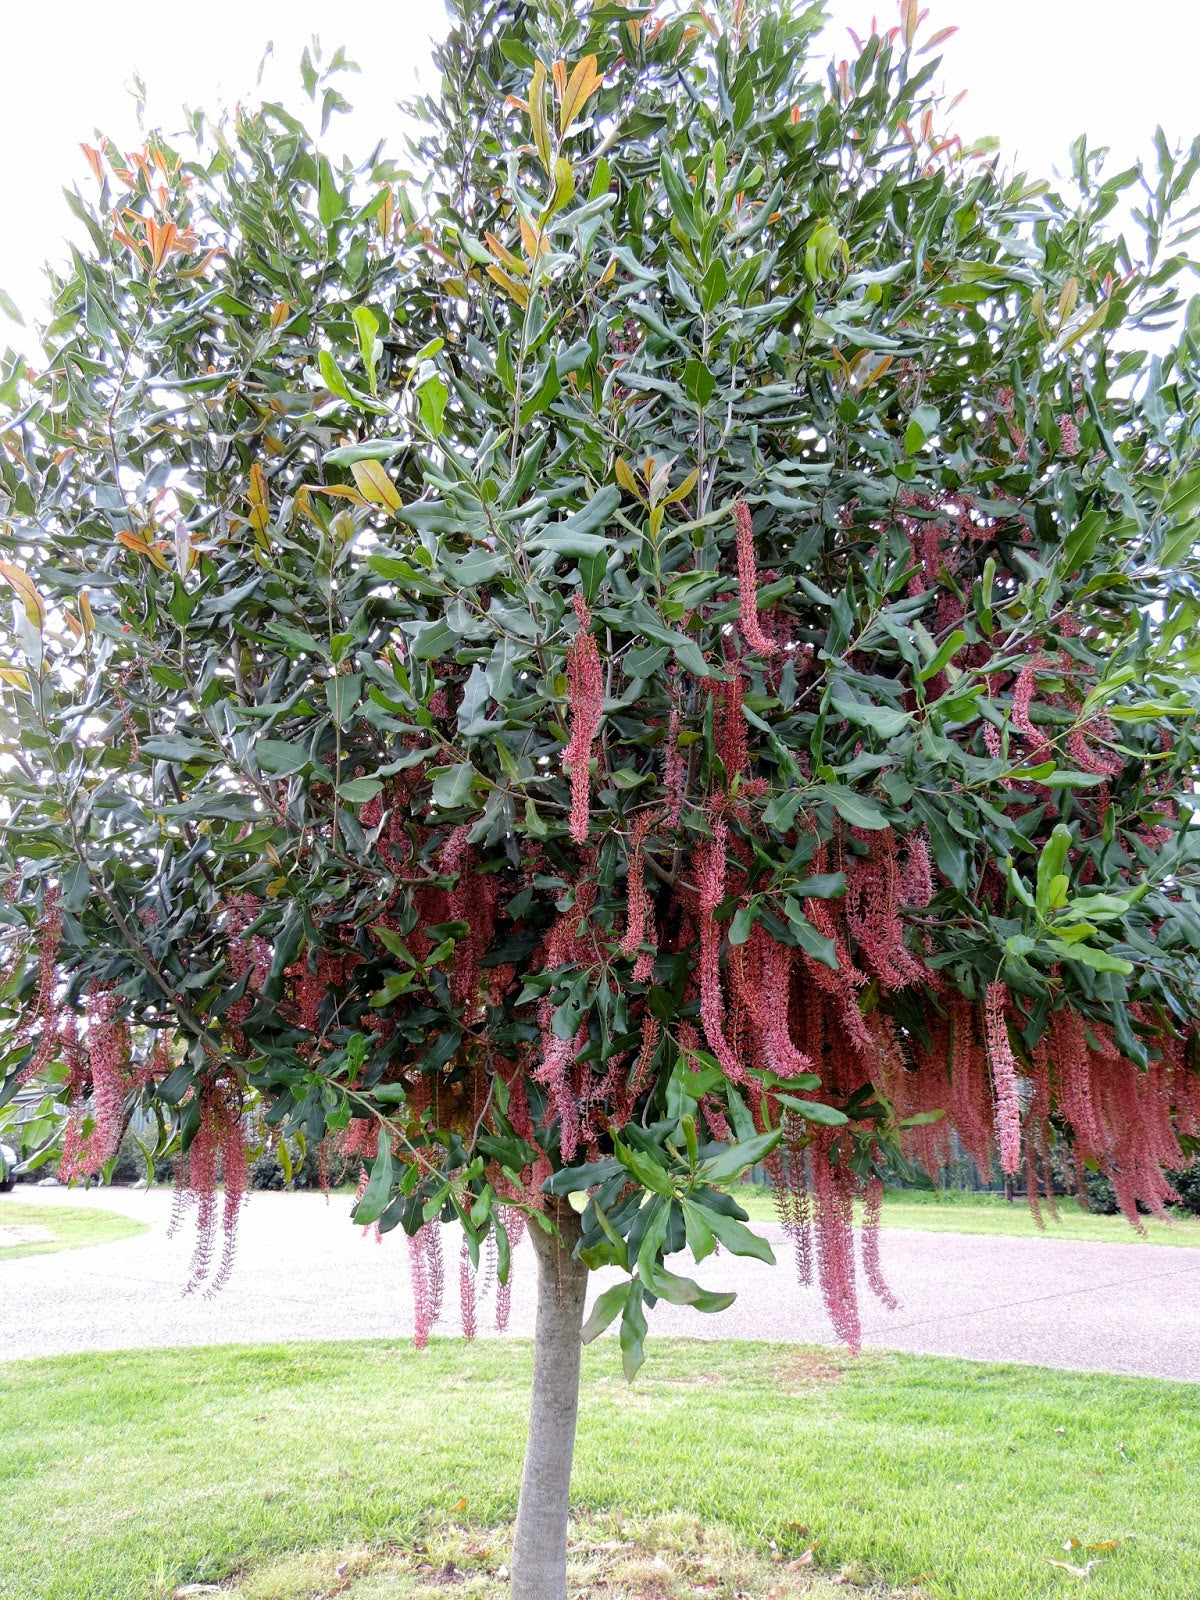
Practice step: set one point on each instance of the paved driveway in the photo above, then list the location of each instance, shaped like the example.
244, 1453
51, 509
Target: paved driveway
304, 1272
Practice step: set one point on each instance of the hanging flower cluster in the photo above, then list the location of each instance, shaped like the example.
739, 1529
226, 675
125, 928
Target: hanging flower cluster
748, 583
105, 1061
586, 698
44, 1014
216, 1157
731, 691
857, 1012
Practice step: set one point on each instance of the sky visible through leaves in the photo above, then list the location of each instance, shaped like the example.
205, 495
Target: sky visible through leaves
1038, 73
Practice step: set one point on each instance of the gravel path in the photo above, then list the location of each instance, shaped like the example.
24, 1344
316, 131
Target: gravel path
304, 1272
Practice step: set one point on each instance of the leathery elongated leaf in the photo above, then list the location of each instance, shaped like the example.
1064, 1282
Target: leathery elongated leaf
374, 484
379, 1186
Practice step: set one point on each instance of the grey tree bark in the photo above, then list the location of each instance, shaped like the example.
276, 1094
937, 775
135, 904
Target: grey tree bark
539, 1564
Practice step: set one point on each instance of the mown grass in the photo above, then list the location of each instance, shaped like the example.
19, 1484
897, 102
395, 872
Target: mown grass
959, 1211
69, 1228
124, 1475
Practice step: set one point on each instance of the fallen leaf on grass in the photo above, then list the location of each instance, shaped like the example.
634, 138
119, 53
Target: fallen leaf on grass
1101, 1544
1076, 1572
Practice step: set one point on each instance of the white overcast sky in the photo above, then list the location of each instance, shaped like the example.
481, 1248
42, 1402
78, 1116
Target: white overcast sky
1037, 72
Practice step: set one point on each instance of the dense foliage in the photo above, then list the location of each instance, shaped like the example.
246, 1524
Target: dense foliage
657, 633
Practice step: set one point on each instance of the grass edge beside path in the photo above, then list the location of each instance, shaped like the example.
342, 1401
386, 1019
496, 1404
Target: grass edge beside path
70, 1227
964, 1211
122, 1476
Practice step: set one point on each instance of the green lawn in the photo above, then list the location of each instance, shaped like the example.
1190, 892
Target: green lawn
124, 1475
69, 1227
958, 1211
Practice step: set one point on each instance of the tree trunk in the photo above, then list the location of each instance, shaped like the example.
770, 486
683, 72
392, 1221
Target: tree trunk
539, 1563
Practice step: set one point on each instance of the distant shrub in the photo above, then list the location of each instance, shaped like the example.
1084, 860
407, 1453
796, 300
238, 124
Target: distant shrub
1187, 1186
1101, 1197
268, 1171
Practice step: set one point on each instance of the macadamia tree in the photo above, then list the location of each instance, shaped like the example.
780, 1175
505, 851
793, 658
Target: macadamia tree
654, 633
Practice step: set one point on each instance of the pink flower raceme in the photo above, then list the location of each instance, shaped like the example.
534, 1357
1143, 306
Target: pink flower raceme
45, 1005
748, 583
833, 1195
467, 1291
570, 941
108, 1051
729, 726
843, 984
639, 911
1069, 433
874, 893
75, 1060
218, 1149
586, 700
473, 901
107, 1060
775, 969
709, 859
1004, 1076
971, 1106
1102, 764
788, 1175
626, 1095
1074, 1071
427, 1268
1022, 695
872, 1211
513, 1222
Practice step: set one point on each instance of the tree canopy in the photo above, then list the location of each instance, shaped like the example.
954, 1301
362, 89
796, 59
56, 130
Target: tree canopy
652, 632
